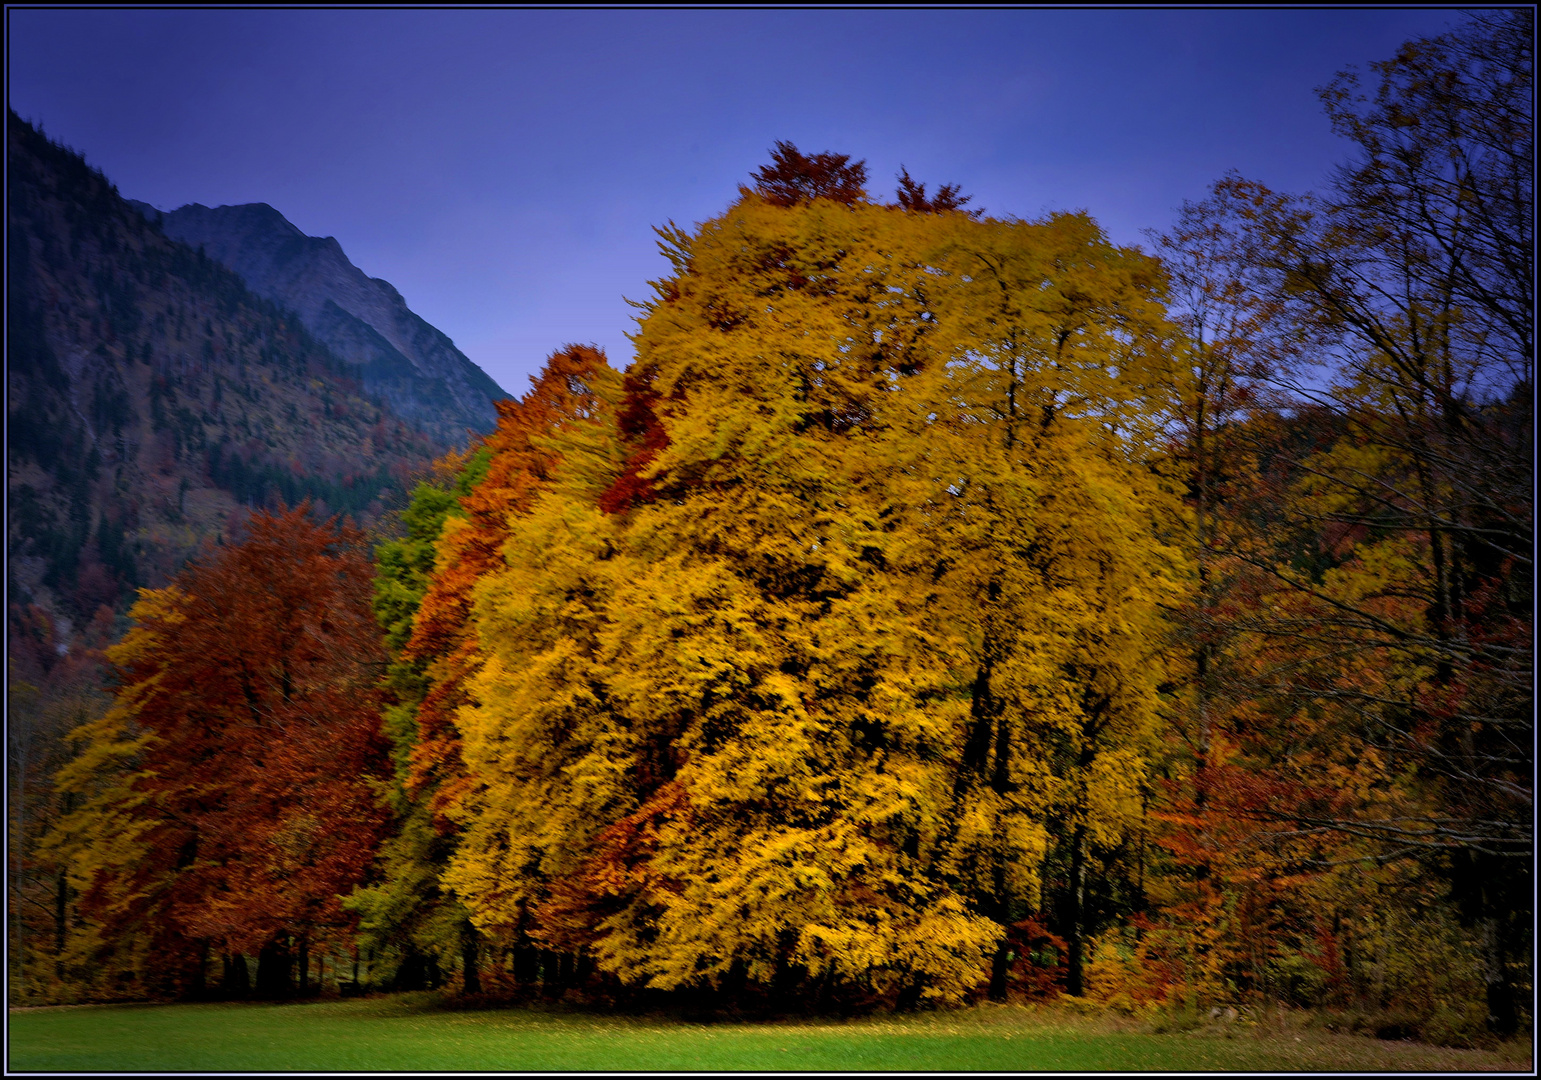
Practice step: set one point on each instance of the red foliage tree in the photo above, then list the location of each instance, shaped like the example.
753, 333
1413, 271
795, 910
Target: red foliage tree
793, 177
255, 673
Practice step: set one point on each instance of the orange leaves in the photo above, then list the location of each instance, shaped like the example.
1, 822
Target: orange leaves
469, 549
615, 875
255, 678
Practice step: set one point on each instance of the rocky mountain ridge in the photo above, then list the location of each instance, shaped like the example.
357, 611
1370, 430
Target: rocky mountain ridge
365, 321
152, 397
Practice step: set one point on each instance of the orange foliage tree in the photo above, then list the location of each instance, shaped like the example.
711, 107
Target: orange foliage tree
424, 596
224, 800
442, 634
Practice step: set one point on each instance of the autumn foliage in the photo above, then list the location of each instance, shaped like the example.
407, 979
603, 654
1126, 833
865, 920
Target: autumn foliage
940, 607
746, 704
247, 726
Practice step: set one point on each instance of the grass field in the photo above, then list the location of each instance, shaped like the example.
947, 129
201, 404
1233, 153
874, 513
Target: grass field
412, 1032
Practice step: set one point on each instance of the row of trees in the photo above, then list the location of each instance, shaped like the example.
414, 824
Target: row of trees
224, 801
1359, 444
940, 605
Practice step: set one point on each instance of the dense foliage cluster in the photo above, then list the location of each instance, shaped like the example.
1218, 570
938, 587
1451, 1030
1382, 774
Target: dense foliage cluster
152, 401
940, 606
250, 716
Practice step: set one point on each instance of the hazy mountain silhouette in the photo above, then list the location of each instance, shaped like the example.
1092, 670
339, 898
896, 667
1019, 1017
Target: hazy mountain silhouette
151, 396
363, 320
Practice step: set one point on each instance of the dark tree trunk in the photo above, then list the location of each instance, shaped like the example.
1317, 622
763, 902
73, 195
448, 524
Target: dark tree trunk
305, 966
736, 981
787, 977
61, 920
998, 971
200, 980
1502, 1016
274, 971
469, 959
1000, 911
526, 963
412, 974
1491, 894
235, 980
1075, 938
982, 711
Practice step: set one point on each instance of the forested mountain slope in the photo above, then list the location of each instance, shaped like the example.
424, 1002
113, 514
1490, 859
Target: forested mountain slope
152, 401
363, 320
150, 395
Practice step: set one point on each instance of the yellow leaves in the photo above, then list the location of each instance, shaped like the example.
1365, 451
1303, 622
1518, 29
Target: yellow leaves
827, 899
108, 744
1113, 796
893, 567
1387, 570
156, 612
103, 838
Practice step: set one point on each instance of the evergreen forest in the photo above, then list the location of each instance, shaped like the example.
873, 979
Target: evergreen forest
941, 607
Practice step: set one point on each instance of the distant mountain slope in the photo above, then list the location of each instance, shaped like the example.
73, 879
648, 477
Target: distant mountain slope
363, 320
151, 395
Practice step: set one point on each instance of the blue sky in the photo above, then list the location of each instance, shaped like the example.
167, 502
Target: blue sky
503, 168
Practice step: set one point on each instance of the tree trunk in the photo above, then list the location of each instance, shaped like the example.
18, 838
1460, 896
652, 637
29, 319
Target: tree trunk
1206, 606
526, 962
61, 916
412, 972
1000, 911
201, 974
236, 978
469, 958
999, 967
1075, 938
305, 965
736, 981
274, 978
1502, 1016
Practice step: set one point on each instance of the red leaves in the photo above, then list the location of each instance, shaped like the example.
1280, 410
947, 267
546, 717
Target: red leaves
442, 633
912, 197
1038, 968
793, 177
618, 871
639, 425
261, 691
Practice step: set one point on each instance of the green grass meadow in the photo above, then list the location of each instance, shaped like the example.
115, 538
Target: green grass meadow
413, 1032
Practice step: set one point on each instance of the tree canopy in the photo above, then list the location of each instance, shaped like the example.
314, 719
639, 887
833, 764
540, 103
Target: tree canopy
224, 801
939, 606
795, 714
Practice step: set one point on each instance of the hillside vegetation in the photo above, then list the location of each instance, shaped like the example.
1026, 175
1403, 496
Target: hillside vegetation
942, 607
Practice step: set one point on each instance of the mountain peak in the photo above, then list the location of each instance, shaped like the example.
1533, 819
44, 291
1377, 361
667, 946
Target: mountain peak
364, 320
151, 396
251, 219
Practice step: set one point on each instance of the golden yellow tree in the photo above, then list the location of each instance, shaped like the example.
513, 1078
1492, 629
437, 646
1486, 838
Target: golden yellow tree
729, 734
